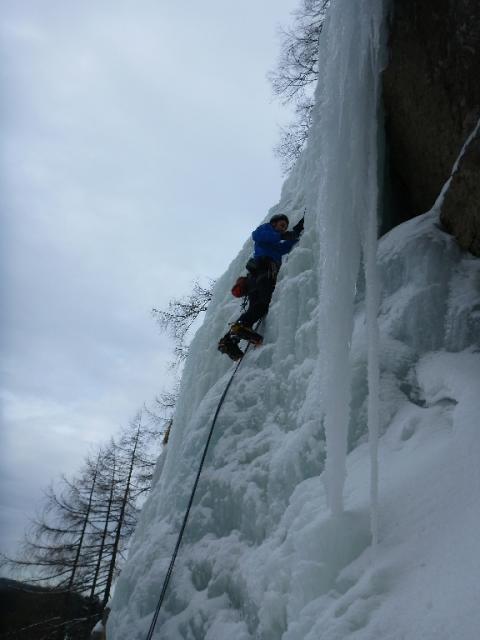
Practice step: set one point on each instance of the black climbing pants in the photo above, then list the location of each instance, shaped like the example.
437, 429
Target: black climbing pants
261, 284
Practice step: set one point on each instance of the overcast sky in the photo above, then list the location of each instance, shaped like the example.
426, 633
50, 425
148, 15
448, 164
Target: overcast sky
136, 156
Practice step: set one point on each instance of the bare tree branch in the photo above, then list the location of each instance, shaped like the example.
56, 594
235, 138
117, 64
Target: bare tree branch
296, 73
180, 315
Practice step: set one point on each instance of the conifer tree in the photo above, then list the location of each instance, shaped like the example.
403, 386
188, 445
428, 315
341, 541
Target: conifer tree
77, 544
134, 461
56, 542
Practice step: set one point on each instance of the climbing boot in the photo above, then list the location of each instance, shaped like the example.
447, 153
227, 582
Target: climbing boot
242, 332
229, 345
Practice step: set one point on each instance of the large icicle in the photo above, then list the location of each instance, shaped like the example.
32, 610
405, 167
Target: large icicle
347, 106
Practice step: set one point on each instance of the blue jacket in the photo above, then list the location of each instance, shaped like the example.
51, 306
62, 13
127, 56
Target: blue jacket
269, 243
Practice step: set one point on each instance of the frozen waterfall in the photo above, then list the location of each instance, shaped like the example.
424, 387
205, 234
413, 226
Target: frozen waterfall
360, 366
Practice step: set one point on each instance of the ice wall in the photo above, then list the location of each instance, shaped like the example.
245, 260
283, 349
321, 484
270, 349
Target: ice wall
297, 387
278, 541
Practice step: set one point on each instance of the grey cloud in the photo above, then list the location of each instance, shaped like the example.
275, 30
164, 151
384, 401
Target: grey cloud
136, 155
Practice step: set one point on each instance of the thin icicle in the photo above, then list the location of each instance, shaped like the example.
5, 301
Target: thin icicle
372, 293
371, 301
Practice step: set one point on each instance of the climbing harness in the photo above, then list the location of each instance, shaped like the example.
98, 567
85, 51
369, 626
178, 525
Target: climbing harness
190, 502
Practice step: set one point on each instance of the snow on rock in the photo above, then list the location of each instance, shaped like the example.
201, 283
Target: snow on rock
278, 546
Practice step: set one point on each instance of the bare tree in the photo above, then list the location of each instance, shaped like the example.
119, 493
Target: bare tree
294, 136
180, 315
135, 463
78, 543
161, 413
107, 485
177, 320
296, 73
58, 545
56, 541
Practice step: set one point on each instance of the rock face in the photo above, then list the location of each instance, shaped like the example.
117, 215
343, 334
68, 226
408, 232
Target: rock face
432, 103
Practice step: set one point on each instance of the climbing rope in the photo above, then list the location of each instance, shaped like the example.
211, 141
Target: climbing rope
190, 502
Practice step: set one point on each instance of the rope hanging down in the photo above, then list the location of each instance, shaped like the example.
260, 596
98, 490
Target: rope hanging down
190, 502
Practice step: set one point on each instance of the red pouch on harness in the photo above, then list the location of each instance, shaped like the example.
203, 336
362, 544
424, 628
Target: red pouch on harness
240, 288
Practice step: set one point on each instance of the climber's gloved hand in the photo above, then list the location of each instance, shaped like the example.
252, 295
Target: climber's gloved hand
298, 228
289, 235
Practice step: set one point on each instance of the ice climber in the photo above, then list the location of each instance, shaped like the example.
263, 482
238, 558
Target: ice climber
272, 241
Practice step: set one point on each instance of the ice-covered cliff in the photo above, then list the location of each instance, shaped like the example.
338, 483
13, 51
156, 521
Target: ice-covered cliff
279, 542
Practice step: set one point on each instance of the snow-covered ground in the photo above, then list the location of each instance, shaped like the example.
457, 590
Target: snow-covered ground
279, 542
